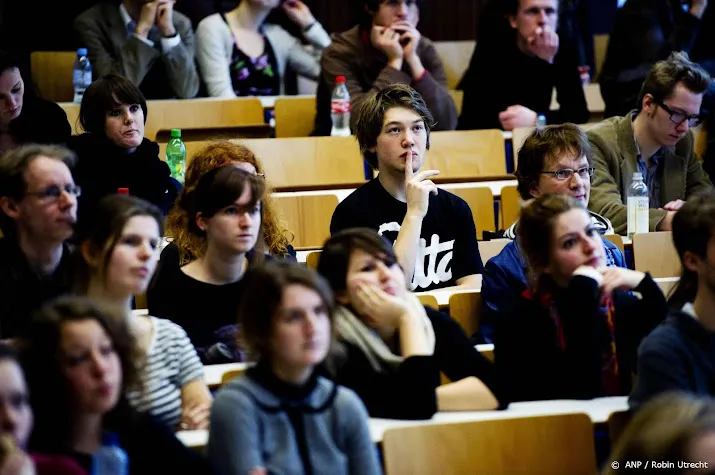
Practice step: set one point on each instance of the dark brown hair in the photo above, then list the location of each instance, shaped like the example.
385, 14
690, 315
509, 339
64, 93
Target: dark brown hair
219, 188
372, 115
50, 392
265, 285
549, 142
215, 155
662, 430
13, 166
535, 232
111, 216
105, 94
693, 229
335, 257
665, 75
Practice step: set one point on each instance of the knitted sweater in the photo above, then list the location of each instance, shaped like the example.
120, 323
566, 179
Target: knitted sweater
318, 428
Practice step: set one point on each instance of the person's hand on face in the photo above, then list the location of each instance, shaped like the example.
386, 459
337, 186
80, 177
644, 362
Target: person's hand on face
517, 116
674, 205
387, 40
377, 306
165, 17
409, 38
544, 44
418, 188
147, 18
298, 12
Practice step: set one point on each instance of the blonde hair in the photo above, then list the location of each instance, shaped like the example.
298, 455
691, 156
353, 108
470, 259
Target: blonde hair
662, 430
215, 155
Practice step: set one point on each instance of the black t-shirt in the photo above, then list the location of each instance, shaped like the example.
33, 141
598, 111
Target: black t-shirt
448, 241
207, 312
23, 291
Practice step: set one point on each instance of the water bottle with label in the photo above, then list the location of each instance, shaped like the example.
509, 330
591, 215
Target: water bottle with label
110, 459
340, 109
638, 206
81, 74
176, 156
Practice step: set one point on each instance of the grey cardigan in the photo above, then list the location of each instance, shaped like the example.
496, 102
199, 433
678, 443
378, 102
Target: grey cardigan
214, 46
252, 427
111, 50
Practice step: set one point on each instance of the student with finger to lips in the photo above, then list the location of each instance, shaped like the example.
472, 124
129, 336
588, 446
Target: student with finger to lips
433, 230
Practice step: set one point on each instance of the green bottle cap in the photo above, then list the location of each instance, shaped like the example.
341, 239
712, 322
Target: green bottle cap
176, 133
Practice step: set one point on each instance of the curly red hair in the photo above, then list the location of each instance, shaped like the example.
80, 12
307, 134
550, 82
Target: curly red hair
214, 155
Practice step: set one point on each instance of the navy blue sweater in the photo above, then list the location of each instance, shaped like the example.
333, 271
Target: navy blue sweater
678, 356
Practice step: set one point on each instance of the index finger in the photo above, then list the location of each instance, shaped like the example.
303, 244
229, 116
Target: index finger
409, 172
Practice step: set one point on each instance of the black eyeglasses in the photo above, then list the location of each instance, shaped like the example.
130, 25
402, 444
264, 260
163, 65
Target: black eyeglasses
679, 117
567, 173
54, 192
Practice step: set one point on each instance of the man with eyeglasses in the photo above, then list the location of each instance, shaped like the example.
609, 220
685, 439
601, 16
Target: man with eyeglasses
553, 160
655, 140
38, 210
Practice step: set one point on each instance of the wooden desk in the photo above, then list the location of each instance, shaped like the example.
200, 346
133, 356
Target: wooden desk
443, 295
598, 410
213, 373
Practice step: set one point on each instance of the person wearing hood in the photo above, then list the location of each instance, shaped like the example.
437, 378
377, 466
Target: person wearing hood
113, 155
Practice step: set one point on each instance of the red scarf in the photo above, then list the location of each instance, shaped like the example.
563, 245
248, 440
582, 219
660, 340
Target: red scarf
609, 369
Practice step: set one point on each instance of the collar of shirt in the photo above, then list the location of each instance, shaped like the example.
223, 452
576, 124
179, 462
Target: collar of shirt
130, 24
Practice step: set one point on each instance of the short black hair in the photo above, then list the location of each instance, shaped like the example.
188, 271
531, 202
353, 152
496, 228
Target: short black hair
364, 9
8, 60
105, 94
372, 115
335, 257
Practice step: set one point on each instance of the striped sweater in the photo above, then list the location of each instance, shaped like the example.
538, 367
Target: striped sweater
171, 363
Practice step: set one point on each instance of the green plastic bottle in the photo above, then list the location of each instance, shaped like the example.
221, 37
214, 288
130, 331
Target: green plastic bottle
176, 155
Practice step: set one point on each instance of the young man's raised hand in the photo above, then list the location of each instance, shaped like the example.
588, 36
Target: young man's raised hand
417, 188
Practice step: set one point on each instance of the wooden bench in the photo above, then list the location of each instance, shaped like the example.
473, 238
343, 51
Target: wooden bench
52, 74
295, 116
655, 253
308, 217
554, 445
467, 155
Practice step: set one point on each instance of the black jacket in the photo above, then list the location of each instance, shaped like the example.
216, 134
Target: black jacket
40, 121
530, 363
103, 168
678, 356
410, 391
500, 75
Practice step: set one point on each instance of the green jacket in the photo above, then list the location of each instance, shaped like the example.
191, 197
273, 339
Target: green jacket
615, 157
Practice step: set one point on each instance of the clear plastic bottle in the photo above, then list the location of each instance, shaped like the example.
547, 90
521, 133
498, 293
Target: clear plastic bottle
81, 74
110, 459
176, 155
638, 206
340, 109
